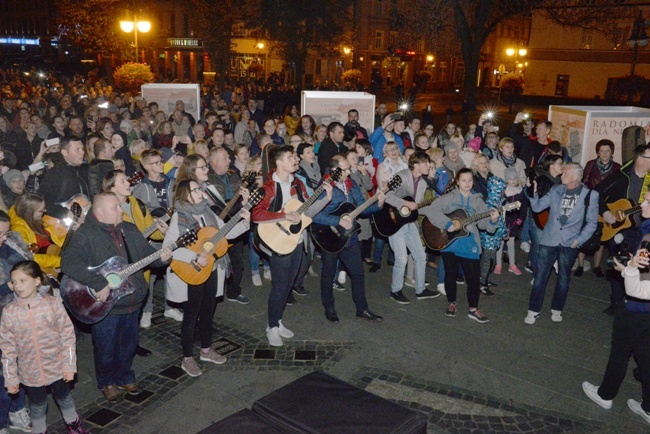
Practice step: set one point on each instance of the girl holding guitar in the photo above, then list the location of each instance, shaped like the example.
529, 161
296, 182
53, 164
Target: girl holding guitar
464, 251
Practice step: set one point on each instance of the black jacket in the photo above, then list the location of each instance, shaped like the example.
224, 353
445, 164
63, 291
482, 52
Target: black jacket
327, 150
95, 242
60, 184
615, 187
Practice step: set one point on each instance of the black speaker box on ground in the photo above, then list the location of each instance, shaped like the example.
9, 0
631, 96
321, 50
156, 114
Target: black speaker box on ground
321, 404
242, 422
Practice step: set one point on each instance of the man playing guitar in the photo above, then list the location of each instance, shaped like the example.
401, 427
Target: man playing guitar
280, 187
346, 191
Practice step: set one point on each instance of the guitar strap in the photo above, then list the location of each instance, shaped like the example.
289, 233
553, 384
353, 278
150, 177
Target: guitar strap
126, 247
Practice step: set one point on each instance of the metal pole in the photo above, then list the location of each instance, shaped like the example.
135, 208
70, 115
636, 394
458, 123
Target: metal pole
135, 31
635, 58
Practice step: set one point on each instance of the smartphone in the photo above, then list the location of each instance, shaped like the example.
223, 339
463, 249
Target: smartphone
52, 142
36, 167
395, 116
83, 96
489, 115
90, 119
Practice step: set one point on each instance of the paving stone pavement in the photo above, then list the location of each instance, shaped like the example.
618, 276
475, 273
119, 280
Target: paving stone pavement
503, 376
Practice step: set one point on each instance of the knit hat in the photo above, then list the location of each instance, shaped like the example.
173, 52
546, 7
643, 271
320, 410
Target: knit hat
449, 146
510, 173
12, 175
474, 144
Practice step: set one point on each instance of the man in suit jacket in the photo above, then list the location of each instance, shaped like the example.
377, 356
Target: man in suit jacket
331, 146
568, 227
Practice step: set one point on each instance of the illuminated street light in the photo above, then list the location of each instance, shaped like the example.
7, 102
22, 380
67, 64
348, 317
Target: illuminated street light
429, 58
510, 52
135, 27
347, 50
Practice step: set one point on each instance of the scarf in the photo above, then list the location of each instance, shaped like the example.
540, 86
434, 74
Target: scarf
454, 166
508, 162
604, 168
512, 191
311, 172
393, 168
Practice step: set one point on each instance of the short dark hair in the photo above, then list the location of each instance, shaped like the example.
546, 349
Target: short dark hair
332, 126
604, 142
640, 150
353, 111
302, 147
417, 158
64, 143
461, 171
549, 161
548, 124
278, 152
4, 217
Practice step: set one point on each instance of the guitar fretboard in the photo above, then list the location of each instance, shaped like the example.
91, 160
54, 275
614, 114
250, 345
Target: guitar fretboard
223, 231
309, 202
234, 200
154, 227
136, 266
354, 214
633, 210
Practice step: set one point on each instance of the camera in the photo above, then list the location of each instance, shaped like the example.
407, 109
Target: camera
395, 116
52, 142
621, 259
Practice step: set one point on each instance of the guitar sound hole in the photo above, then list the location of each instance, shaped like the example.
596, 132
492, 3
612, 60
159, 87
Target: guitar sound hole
295, 228
114, 280
404, 211
207, 246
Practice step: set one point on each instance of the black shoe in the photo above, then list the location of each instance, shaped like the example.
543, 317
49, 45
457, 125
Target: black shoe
636, 372
142, 352
374, 268
611, 309
598, 272
578, 271
290, 299
338, 286
427, 294
331, 315
485, 290
460, 280
390, 263
369, 316
399, 297
368, 261
300, 290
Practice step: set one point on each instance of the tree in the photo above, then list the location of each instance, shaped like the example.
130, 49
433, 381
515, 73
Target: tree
213, 21
131, 76
295, 29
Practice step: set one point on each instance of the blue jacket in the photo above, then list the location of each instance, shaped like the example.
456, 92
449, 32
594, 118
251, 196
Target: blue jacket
338, 197
377, 140
554, 233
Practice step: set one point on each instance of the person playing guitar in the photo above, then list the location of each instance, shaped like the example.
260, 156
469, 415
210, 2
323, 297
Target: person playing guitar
280, 187
408, 236
464, 251
346, 191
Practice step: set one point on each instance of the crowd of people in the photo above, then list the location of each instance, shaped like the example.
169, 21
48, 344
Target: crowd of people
89, 174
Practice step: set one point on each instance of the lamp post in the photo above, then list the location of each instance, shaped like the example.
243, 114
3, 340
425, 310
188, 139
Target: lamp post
519, 52
135, 27
638, 38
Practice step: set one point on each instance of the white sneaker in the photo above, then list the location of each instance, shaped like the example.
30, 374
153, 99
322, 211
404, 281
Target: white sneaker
525, 247
531, 317
285, 332
174, 314
555, 266
257, 279
441, 288
145, 321
410, 282
311, 272
342, 276
635, 406
273, 335
556, 315
20, 420
592, 393
267, 274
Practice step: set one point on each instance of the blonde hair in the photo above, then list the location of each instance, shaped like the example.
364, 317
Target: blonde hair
505, 141
388, 147
250, 166
475, 161
435, 153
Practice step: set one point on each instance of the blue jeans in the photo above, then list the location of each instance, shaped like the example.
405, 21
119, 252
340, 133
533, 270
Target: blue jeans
350, 258
38, 404
284, 272
535, 238
565, 257
379, 251
407, 240
525, 234
115, 339
254, 257
9, 403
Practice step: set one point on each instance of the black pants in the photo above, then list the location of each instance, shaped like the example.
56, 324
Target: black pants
350, 258
200, 305
472, 270
284, 271
630, 336
236, 254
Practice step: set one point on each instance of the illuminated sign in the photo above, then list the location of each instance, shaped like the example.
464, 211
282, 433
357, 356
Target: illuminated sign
185, 42
18, 41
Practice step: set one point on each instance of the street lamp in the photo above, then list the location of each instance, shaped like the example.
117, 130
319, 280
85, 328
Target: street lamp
135, 27
521, 52
638, 38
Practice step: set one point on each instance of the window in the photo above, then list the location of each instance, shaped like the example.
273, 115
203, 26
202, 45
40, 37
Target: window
379, 7
587, 39
379, 40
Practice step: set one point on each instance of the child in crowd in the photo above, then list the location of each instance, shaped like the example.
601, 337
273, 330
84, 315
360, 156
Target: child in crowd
38, 347
514, 218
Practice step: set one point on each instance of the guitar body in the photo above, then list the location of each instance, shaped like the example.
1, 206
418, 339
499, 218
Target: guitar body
437, 239
623, 221
283, 237
193, 274
80, 299
541, 218
390, 219
333, 239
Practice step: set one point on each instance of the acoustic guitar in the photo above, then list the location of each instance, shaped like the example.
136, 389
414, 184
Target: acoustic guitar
622, 210
211, 241
391, 219
283, 236
333, 239
82, 300
154, 226
438, 239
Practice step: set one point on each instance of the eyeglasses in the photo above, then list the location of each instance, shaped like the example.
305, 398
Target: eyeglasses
6, 234
201, 167
194, 190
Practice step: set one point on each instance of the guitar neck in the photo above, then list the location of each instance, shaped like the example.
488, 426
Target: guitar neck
633, 210
482, 215
309, 202
223, 231
426, 202
154, 227
354, 214
137, 266
229, 206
